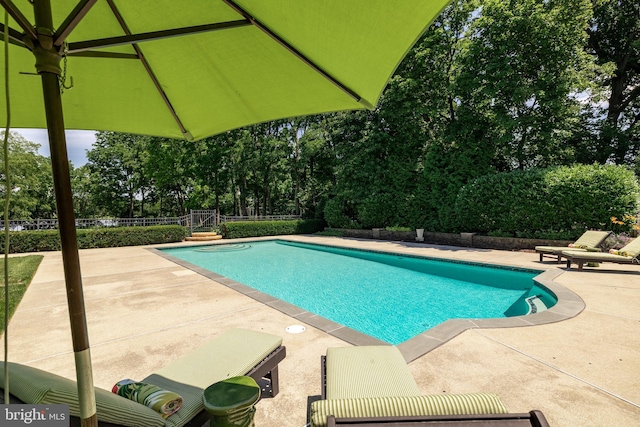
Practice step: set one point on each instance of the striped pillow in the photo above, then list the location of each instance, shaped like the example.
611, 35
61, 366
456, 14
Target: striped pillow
437, 404
35, 386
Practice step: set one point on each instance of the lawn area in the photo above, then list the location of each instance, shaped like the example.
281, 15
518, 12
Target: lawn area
21, 271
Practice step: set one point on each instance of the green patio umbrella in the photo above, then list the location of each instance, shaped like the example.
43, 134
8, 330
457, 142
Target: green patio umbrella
190, 69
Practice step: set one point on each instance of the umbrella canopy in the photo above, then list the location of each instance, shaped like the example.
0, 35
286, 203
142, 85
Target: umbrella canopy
189, 69
199, 67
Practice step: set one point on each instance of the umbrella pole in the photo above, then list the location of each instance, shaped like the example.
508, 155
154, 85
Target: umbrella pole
70, 257
47, 64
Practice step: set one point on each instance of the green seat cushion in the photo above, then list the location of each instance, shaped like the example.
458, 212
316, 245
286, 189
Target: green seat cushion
591, 239
230, 354
632, 248
368, 371
556, 249
34, 386
598, 257
437, 404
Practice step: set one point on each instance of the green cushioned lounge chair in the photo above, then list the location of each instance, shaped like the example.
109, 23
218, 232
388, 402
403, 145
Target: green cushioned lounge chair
531, 419
626, 255
590, 241
372, 385
234, 352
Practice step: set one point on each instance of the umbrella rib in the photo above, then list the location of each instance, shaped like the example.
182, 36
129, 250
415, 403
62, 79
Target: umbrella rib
24, 23
14, 36
72, 21
101, 54
153, 35
147, 67
297, 53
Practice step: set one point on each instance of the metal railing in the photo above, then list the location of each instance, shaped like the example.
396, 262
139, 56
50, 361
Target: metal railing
196, 220
82, 223
231, 218
202, 220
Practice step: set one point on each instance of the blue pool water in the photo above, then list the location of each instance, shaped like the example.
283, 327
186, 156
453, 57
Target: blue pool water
390, 297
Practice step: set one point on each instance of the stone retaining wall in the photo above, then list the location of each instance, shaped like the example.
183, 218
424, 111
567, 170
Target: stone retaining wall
471, 240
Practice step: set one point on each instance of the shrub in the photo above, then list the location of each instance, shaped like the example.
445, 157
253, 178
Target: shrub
330, 232
561, 200
398, 228
49, 240
338, 214
234, 230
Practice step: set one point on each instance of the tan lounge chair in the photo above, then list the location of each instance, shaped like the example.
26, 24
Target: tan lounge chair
372, 385
590, 241
232, 353
626, 255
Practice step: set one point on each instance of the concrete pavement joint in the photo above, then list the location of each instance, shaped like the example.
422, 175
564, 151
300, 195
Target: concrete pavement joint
590, 384
634, 319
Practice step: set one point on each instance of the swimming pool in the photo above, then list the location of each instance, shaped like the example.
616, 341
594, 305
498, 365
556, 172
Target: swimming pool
387, 296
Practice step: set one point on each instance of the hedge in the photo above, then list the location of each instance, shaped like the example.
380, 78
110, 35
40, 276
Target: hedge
234, 230
49, 240
563, 201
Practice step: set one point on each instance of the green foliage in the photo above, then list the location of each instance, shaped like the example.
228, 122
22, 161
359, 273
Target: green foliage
117, 173
491, 86
614, 43
338, 213
235, 230
84, 200
563, 200
330, 233
30, 177
523, 61
398, 228
129, 236
49, 240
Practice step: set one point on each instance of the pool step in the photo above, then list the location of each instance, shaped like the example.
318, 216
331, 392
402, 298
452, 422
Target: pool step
535, 304
204, 236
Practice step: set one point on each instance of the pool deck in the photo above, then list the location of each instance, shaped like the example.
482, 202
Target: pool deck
144, 311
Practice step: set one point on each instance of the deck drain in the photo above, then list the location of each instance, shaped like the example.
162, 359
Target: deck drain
295, 329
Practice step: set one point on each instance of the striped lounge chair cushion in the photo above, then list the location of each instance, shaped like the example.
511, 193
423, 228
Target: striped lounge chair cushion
368, 371
396, 406
35, 386
233, 352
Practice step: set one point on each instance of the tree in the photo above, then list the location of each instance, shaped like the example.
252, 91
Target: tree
31, 180
614, 41
84, 204
167, 163
380, 153
116, 169
457, 148
524, 63
313, 167
210, 171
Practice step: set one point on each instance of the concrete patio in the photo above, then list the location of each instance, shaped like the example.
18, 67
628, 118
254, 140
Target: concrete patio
145, 311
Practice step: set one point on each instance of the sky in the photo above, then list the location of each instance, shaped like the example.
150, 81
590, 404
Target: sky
78, 142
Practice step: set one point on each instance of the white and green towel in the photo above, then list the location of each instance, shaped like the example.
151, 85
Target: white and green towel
163, 401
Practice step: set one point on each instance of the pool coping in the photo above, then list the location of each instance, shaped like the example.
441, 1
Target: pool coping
568, 306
